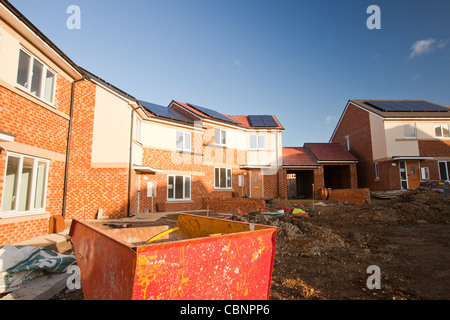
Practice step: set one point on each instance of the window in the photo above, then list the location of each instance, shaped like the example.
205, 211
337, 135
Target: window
425, 173
222, 178
138, 129
35, 77
25, 184
178, 187
220, 136
442, 130
377, 171
444, 167
348, 142
183, 141
409, 130
257, 142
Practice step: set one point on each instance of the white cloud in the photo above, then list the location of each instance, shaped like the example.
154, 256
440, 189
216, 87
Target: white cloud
238, 63
425, 46
416, 76
422, 46
329, 119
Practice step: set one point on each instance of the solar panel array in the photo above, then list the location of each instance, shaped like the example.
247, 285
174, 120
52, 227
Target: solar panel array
212, 113
406, 106
165, 112
262, 121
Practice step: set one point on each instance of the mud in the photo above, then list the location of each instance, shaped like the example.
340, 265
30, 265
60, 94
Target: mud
326, 256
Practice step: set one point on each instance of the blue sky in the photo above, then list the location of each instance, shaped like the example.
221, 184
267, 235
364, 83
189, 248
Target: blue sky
299, 60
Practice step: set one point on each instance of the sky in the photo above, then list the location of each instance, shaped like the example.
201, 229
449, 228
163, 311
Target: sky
298, 60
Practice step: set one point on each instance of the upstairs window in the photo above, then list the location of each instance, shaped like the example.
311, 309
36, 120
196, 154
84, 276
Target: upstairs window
35, 77
257, 142
220, 136
409, 130
442, 130
183, 141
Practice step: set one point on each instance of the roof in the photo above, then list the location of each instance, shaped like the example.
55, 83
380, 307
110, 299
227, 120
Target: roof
108, 85
329, 152
403, 108
245, 121
156, 110
297, 156
239, 120
312, 154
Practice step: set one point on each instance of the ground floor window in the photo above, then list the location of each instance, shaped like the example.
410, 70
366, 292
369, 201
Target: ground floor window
178, 187
222, 178
444, 170
25, 184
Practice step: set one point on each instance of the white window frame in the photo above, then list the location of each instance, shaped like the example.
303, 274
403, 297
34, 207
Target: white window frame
221, 137
425, 173
415, 131
186, 137
257, 142
446, 168
138, 129
174, 187
45, 68
32, 210
228, 179
441, 125
377, 171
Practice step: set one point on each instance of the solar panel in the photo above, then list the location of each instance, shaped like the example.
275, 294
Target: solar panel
262, 121
406, 106
212, 113
165, 112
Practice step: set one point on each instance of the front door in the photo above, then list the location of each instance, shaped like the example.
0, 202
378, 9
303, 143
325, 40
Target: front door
409, 174
256, 183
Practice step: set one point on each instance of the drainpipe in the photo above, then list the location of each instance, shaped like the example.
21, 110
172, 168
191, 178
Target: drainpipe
130, 159
69, 136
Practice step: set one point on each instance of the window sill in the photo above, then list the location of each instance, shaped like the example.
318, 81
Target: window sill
180, 201
223, 189
25, 90
24, 216
215, 145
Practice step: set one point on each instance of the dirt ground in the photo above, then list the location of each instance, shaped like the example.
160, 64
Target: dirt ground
326, 256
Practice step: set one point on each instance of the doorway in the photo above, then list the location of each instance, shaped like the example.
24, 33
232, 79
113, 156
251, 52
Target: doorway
409, 175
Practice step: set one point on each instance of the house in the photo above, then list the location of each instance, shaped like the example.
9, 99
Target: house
133, 156
318, 166
37, 82
398, 143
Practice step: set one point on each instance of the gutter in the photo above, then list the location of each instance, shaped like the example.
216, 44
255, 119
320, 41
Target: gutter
69, 137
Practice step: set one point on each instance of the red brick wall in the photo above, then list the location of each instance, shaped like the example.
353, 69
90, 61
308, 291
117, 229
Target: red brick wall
90, 189
38, 127
229, 205
353, 196
435, 148
18, 231
355, 123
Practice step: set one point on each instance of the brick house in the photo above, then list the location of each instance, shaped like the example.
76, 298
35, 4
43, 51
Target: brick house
324, 165
89, 145
398, 143
36, 85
